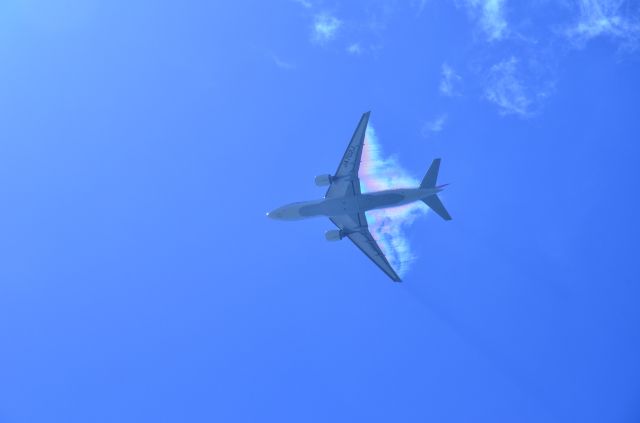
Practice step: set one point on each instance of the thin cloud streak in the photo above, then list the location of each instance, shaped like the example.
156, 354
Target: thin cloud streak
281, 63
449, 82
420, 5
304, 3
388, 225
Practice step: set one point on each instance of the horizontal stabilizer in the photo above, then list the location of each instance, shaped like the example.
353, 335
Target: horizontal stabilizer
436, 205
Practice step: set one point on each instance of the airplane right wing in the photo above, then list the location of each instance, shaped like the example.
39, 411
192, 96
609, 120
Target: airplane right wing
356, 229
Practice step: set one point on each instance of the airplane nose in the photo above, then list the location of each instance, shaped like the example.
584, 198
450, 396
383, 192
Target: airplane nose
278, 214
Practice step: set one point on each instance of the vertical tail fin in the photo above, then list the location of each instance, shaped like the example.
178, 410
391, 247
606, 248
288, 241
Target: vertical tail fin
429, 181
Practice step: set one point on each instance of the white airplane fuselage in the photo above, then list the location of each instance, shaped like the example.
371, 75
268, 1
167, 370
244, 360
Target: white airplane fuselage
352, 204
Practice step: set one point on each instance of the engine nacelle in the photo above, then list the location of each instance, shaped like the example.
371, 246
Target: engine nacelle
334, 235
322, 180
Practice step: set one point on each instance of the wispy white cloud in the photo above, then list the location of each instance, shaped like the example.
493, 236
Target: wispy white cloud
325, 28
434, 126
490, 17
507, 89
354, 48
614, 18
449, 82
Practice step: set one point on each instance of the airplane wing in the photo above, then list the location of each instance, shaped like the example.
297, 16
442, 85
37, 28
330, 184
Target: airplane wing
357, 230
346, 182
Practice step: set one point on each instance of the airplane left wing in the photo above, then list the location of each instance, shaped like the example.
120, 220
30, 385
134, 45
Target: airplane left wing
346, 182
356, 229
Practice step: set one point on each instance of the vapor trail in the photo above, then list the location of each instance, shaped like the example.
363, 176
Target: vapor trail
388, 225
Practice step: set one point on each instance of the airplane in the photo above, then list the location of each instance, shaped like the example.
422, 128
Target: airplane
345, 205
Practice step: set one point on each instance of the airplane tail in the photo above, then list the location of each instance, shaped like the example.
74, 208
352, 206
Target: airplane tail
429, 181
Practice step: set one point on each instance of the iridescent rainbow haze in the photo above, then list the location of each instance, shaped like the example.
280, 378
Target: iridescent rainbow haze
388, 225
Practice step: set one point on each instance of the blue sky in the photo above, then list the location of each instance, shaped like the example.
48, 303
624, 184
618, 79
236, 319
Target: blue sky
142, 143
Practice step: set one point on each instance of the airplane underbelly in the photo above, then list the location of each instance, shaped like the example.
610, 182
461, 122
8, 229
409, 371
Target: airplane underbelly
341, 206
332, 207
351, 205
378, 201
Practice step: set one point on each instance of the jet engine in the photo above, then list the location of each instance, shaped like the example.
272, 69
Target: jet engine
322, 180
334, 235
